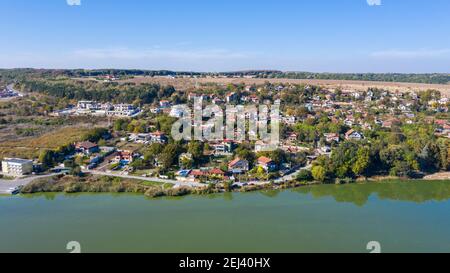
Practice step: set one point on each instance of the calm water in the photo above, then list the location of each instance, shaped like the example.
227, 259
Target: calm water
403, 217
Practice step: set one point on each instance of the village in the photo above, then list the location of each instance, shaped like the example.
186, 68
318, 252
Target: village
148, 151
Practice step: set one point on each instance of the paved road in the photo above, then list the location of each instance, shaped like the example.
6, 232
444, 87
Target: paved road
150, 179
293, 175
5, 184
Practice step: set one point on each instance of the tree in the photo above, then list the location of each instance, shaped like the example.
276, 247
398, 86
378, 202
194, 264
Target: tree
69, 164
400, 168
170, 155
318, 173
362, 163
304, 175
120, 125
96, 134
186, 163
343, 159
138, 164
46, 159
76, 171
196, 149
245, 152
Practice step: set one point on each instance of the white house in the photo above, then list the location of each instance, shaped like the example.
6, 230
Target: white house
353, 135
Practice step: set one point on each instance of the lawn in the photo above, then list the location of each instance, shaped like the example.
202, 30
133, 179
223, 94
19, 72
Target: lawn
149, 183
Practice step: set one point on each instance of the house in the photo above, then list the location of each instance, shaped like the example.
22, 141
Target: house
87, 106
331, 137
267, 164
164, 104
261, 146
349, 122
289, 120
443, 101
217, 173
440, 122
140, 138
353, 135
122, 110
203, 97
155, 110
293, 137
231, 97
390, 122
176, 112
124, 156
17, 166
238, 166
225, 147
250, 88
87, 147
196, 175
158, 137
325, 150
446, 128
217, 101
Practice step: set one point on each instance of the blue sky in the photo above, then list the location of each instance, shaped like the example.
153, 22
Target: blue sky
226, 35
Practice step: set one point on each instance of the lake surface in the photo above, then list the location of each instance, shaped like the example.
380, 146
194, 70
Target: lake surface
402, 216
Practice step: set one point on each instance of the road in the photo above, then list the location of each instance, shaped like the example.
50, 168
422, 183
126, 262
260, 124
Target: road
293, 175
5, 184
150, 179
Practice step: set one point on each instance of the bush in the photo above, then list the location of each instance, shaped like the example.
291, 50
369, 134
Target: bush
305, 175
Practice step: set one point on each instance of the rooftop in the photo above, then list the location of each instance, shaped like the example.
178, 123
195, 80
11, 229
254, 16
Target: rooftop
17, 160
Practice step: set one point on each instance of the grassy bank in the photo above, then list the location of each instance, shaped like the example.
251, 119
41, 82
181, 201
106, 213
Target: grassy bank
106, 184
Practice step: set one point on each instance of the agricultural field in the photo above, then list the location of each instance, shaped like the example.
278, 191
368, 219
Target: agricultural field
188, 83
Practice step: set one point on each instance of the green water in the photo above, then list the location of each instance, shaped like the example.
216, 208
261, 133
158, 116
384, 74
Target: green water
402, 216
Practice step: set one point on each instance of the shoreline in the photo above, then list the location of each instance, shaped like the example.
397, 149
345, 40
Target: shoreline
102, 184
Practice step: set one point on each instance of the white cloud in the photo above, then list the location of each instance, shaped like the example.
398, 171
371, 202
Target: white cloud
374, 2
74, 2
412, 54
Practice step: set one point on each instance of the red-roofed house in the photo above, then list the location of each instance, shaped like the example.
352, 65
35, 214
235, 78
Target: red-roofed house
267, 164
87, 147
238, 166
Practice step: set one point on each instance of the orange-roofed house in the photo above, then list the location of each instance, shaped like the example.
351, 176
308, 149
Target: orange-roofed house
267, 164
238, 166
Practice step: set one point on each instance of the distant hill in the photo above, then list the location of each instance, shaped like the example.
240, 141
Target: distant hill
430, 78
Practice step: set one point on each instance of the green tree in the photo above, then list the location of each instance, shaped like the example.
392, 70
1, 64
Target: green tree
46, 158
362, 163
76, 171
170, 154
318, 173
304, 175
196, 149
